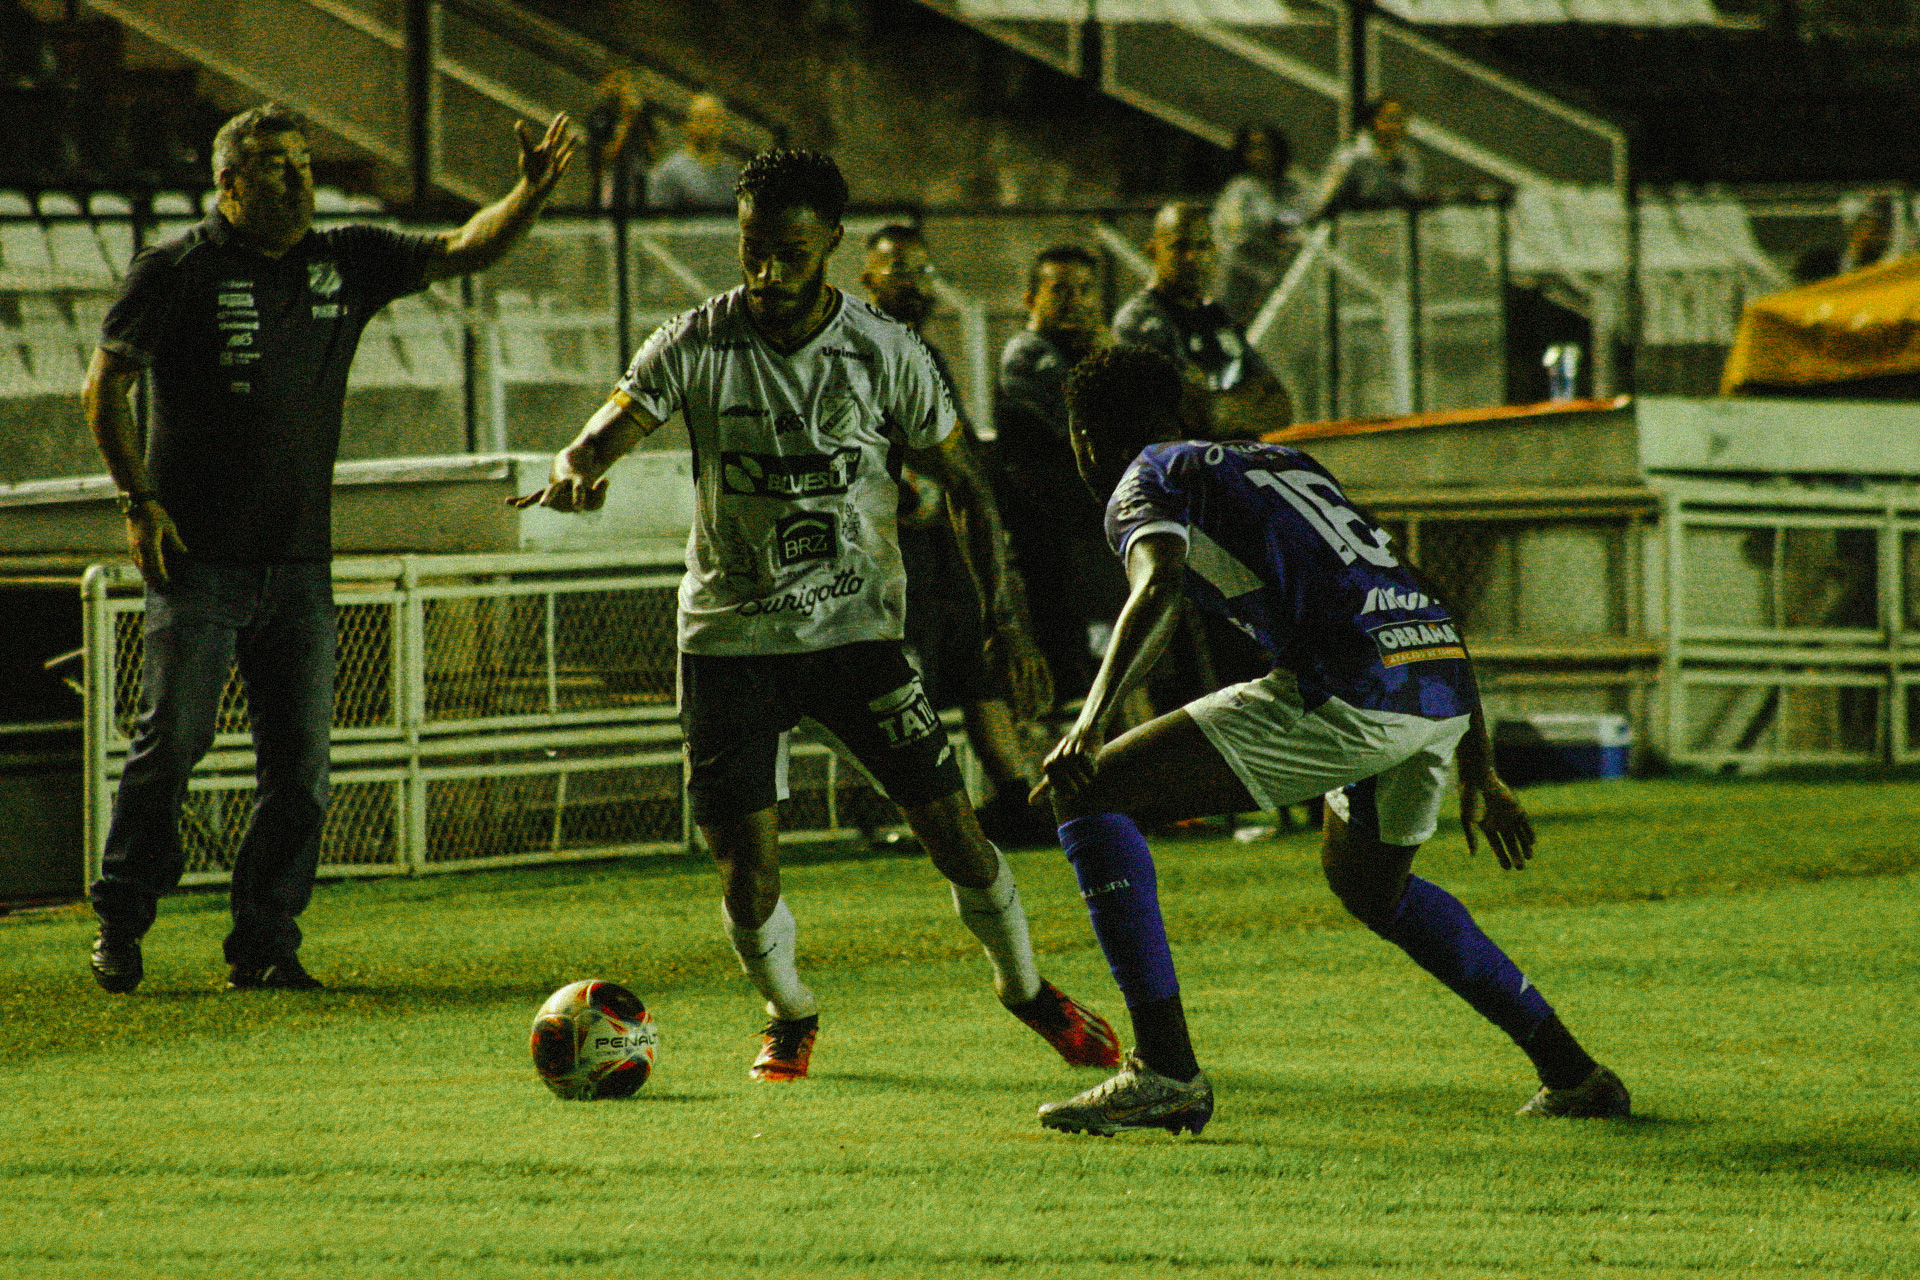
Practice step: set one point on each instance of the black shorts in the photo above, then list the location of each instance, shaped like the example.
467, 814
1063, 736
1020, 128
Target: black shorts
734, 709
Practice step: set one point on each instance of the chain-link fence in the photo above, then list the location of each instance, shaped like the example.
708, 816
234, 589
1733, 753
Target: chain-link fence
488, 711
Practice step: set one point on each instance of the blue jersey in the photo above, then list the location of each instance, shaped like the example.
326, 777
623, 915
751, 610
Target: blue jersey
1274, 545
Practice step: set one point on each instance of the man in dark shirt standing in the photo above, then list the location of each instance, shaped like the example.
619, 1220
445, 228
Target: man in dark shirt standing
1052, 521
1175, 316
944, 628
248, 323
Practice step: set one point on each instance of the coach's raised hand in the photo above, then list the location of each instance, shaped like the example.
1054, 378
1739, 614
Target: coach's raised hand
542, 163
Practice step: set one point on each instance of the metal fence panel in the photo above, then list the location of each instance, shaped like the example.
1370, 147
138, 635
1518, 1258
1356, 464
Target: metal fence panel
489, 711
1790, 629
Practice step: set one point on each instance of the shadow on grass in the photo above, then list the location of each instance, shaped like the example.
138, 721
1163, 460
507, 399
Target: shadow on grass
1828, 1155
871, 1081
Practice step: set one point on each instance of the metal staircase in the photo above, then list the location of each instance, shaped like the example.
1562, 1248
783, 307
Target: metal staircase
433, 86
1209, 66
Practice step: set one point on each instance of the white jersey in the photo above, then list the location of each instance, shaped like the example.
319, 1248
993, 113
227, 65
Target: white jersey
796, 463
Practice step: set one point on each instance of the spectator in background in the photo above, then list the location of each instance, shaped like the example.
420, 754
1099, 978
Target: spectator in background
699, 177
1056, 527
611, 140
1254, 219
26, 59
944, 635
1175, 317
244, 327
1871, 237
1377, 170
1869, 234
1232, 395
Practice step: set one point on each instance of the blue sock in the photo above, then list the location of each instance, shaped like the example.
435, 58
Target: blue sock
1433, 928
1116, 875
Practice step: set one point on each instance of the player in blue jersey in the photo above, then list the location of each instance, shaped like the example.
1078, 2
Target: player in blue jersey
1371, 697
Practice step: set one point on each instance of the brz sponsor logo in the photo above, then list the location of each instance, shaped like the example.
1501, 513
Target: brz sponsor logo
905, 715
803, 475
1382, 598
1403, 642
804, 536
807, 599
847, 353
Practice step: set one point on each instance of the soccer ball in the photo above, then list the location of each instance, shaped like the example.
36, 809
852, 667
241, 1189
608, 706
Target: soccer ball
594, 1039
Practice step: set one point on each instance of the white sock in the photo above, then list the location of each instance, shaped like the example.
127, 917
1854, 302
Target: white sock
996, 918
766, 954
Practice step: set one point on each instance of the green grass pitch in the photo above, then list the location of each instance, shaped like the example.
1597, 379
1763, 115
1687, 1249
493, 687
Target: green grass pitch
1743, 953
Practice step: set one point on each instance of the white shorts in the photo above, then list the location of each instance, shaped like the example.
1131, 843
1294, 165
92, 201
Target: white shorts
1383, 772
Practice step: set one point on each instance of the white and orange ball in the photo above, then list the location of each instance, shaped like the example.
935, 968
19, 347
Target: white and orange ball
594, 1039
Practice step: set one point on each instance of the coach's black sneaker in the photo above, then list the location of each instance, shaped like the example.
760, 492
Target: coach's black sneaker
1600, 1096
116, 965
281, 975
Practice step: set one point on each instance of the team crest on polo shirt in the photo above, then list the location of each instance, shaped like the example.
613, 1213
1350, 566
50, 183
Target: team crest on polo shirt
323, 277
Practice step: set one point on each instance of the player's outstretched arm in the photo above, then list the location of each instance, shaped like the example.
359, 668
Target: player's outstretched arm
1486, 801
577, 480
1011, 652
490, 233
1154, 564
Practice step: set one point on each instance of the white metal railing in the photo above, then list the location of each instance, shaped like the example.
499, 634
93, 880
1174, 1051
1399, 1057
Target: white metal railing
1793, 627
490, 710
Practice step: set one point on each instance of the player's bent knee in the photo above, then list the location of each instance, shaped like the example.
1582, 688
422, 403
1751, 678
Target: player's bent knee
1367, 876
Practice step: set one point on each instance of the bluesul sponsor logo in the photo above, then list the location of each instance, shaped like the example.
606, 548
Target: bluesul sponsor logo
1402, 642
800, 475
804, 600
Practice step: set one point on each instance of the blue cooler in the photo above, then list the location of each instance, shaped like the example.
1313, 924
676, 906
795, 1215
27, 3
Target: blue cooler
1561, 746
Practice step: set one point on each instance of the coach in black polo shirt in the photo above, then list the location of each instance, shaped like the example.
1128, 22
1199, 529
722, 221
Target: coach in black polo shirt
248, 323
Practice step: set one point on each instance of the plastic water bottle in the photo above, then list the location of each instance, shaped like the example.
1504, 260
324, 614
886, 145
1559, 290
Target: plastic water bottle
1563, 370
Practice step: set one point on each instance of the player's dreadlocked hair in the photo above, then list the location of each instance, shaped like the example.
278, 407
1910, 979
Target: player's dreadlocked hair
1122, 393
786, 180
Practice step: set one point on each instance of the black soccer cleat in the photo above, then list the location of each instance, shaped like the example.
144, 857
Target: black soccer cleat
1601, 1096
281, 975
116, 966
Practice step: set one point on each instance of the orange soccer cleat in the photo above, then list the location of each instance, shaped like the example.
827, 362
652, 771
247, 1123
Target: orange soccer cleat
1080, 1035
786, 1047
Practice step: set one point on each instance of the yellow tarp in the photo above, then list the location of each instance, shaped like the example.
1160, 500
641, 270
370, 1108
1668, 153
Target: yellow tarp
1865, 324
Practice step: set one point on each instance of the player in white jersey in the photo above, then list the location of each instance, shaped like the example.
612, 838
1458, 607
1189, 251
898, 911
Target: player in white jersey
801, 404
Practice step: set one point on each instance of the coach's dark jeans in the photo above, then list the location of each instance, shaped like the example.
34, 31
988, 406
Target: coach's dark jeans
278, 622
